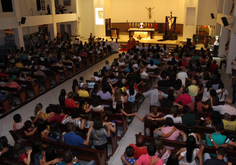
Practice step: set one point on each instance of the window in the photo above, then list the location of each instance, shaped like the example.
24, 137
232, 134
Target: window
6, 6
67, 2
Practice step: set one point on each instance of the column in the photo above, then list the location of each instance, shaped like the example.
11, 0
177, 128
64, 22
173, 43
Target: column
53, 26
224, 37
224, 33
190, 22
18, 33
232, 48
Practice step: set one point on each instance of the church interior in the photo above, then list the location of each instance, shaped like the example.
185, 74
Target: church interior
51, 50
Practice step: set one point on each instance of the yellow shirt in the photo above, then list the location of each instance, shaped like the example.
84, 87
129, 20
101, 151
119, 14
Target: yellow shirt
19, 65
82, 93
229, 125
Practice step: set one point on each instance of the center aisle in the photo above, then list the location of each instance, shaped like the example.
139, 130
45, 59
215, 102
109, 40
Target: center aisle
51, 97
134, 128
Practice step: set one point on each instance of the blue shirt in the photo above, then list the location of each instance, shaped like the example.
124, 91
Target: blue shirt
73, 139
131, 161
63, 163
2, 97
154, 61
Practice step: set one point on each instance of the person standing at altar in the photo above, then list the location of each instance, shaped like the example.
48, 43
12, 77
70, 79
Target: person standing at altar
131, 43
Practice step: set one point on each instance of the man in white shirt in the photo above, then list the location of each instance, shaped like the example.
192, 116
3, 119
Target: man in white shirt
154, 95
226, 108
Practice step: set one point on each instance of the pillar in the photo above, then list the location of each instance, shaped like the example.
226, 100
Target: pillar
53, 26
232, 47
18, 33
224, 33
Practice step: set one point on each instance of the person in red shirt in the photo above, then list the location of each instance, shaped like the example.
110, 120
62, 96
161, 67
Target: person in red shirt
184, 98
69, 102
58, 117
214, 66
139, 148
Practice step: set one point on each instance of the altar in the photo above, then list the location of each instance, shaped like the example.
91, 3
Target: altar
138, 33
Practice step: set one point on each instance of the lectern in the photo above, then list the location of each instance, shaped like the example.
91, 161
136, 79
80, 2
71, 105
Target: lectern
115, 33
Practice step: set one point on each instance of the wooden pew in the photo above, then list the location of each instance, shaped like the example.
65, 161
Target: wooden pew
5, 104
29, 85
197, 113
197, 129
15, 92
178, 145
70, 66
54, 75
78, 63
86, 154
61, 70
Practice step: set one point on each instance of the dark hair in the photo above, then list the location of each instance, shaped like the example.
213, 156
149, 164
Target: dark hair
163, 74
139, 141
208, 85
50, 154
172, 160
151, 62
97, 124
219, 127
17, 118
95, 102
216, 118
70, 95
153, 126
63, 92
54, 127
221, 151
67, 156
3, 142
186, 109
129, 151
41, 126
75, 113
169, 122
105, 88
189, 129
36, 151
48, 109
74, 84
131, 88
27, 124
19, 149
151, 149
81, 79
190, 146
213, 93
58, 110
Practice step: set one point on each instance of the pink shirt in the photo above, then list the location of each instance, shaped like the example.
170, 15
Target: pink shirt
146, 160
173, 136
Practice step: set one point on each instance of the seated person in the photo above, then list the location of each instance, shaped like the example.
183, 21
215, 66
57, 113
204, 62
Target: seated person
184, 99
228, 124
68, 159
20, 152
74, 118
188, 118
71, 138
167, 129
69, 102
83, 92
28, 129
153, 115
139, 147
58, 117
173, 115
128, 157
150, 157
220, 157
17, 125
91, 83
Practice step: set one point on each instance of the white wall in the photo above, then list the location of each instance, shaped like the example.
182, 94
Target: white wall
5, 14
87, 17
135, 11
30, 29
205, 8
27, 5
69, 8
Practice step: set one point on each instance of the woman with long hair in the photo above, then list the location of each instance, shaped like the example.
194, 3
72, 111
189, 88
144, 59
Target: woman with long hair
131, 93
188, 155
36, 154
42, 131
117, 96
21, 154
49, 157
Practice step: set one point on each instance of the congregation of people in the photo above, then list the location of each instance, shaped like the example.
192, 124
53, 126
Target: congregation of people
180, 80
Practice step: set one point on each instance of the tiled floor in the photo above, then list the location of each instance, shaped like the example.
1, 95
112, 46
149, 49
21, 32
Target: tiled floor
52, 97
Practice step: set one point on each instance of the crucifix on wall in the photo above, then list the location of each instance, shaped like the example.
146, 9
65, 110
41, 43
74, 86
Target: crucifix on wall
150, 11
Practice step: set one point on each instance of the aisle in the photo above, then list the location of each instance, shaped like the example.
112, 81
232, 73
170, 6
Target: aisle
50, 97
134, 128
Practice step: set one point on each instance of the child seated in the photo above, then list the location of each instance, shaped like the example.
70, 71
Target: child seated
128, 157
17, 125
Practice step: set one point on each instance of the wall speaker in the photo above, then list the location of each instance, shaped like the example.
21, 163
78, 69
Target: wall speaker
212, 16
23, 19
225, 21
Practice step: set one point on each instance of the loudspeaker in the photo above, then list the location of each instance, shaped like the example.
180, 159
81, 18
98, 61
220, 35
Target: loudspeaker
225, 21
212, 16
23, 19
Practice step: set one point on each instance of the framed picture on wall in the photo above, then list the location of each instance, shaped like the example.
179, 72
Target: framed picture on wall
67, 2
100, 14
